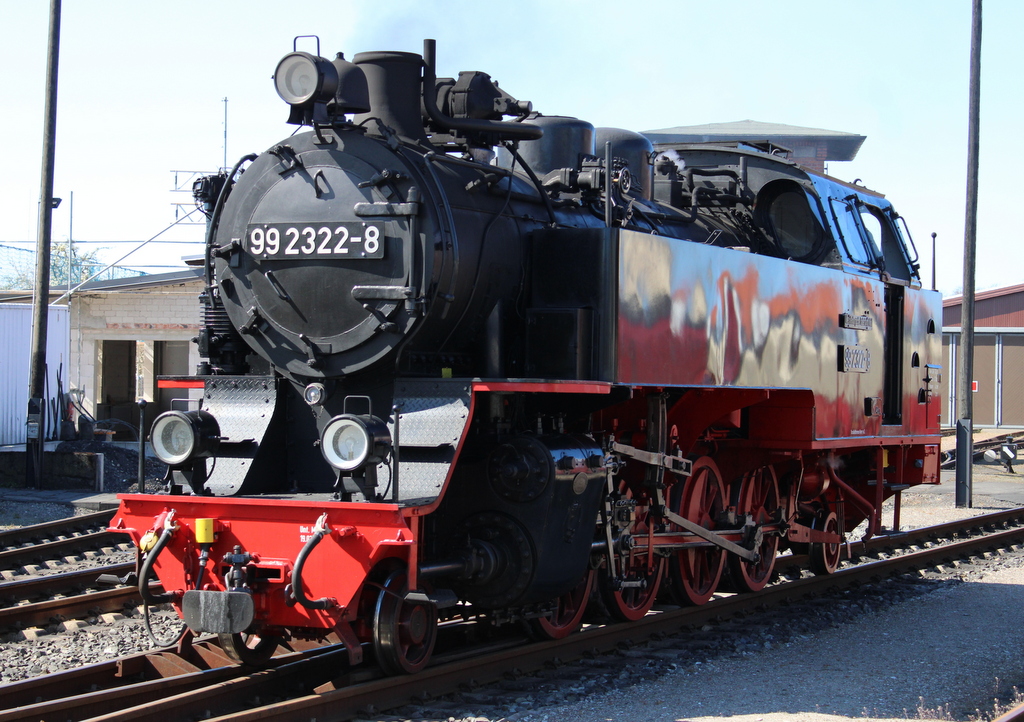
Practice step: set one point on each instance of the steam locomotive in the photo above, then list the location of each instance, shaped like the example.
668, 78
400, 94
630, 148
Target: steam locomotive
515, 369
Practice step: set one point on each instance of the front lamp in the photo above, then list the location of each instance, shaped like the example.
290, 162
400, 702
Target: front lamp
180, 437
351, 442
305, 81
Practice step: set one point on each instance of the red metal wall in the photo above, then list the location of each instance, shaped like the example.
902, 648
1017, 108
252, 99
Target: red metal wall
998, 308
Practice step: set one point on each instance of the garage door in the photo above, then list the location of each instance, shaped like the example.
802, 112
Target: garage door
985, 376
1013, 381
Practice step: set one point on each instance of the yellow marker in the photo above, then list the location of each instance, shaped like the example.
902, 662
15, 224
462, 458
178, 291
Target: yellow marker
885, 458
204, 531
148, 541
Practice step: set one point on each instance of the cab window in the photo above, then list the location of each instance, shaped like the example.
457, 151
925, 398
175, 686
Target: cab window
796, 229
790, 216
848, 222
881, 232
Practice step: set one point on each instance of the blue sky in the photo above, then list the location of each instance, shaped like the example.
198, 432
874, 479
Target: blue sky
141, 88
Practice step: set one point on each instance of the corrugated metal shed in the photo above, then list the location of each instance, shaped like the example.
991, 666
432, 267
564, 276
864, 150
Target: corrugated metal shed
998, 357
997, 308
15, 358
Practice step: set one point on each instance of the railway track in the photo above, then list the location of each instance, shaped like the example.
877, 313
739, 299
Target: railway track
29, 599
39, 601
49, 541
979, 447
198, 681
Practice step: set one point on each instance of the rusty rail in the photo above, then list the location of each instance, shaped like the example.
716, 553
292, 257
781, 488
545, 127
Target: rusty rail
56, 549
35, 532
33, 587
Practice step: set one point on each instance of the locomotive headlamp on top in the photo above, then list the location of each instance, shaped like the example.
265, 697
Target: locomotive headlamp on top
301, 77
308, 83
350, 442
181, 437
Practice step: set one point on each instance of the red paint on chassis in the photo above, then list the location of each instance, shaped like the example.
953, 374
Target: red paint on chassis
274, 530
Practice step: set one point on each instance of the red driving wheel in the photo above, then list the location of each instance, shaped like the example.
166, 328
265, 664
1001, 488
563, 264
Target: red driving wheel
695, 572
567, 616
403, 631
632, 594
758, 497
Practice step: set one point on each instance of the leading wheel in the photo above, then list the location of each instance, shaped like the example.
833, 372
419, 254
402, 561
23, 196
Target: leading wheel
251, 649
569, 613
824, 556
403, 632
759, 498
696, 571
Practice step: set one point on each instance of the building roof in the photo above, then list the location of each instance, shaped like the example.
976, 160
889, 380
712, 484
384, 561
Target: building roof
839, 145
994, 308
150, 280
131, 283
982, 295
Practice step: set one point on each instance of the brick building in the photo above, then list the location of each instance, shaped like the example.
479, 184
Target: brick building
126, 332
998, 357
810, 147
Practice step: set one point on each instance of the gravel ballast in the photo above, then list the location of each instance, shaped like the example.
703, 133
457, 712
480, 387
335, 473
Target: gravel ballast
942, 655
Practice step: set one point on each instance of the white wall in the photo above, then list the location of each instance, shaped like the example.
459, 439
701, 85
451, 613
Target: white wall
144, 315
15, 362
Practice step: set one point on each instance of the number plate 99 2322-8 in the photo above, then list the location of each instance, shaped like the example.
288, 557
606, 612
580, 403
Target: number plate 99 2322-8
315, 240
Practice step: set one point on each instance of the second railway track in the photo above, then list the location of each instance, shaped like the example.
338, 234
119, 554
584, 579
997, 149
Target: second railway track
55, 540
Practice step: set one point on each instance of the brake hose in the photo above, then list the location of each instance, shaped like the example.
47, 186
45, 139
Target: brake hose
319, 532
147, 596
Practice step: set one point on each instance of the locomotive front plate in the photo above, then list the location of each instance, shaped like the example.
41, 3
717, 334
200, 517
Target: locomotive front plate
315, 240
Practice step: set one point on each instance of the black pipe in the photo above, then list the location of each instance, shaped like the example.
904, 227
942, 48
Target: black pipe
211, 227
450, 568
150, 599
479, 562
142, 446
297, 593
435, 157
536, 181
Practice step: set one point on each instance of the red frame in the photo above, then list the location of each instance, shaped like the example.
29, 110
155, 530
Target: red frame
362, 536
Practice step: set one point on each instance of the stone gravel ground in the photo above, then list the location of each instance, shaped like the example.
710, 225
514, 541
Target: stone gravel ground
15, 514
97, 642
943, 655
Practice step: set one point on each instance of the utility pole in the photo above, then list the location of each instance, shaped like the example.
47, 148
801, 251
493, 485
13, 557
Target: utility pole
35, 422
71, 257
965, 356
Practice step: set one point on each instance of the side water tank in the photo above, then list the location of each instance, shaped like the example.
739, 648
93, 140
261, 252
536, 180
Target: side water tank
565, 141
